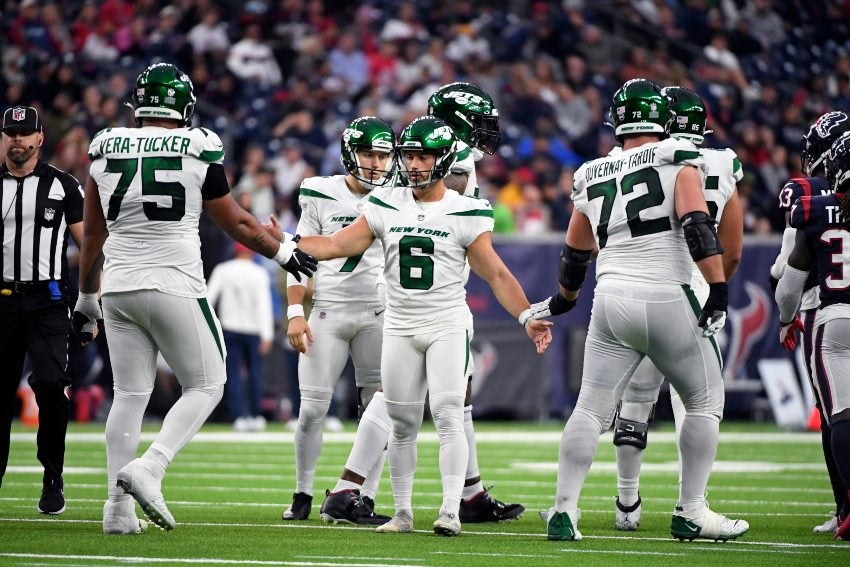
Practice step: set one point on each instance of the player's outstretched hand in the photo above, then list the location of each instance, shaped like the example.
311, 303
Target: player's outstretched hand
299, 334
87, 313
788, 333
293, 260
713, 316
557, 304
540, 332
273, 228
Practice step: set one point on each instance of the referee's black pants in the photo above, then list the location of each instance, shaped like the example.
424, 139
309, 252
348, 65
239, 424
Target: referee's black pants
35, 324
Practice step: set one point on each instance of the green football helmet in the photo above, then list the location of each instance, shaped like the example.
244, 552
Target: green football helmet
687, 115
470, 112
427, 134
370, 134
164, 91
639, 107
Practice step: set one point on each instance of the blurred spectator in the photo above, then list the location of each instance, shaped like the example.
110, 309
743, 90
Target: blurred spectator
290, 167
251, 59
209, 35
405, 25
348, 63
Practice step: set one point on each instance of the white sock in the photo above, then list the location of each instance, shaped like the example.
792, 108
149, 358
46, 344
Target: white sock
345, 485
373, 480
308, 441
123, 427
472, 461
182, 421
406, 419
698, 445
371, 438
447, 411
575, 455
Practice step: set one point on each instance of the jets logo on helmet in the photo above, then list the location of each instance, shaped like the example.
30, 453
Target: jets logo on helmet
427, 134
470, 112
164, 91
368, 134
820, 137
687, 113
638, 107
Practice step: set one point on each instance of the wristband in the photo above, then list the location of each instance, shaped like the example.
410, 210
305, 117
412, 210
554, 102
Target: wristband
294, 311
284, 252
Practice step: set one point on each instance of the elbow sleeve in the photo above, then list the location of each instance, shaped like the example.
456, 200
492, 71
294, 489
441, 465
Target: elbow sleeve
701, 235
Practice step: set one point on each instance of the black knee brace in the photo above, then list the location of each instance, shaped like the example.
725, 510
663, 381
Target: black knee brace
628, 432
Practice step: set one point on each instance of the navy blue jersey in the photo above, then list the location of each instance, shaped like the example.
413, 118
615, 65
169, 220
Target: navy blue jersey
829, 241
788, 195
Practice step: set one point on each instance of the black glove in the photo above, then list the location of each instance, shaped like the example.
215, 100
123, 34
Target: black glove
555, 305
293, 260
714, 311
773, 282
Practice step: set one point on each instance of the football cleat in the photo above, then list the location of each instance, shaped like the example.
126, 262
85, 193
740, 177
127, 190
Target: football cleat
562, 526
401, 523
140, 483
628, 517
348, 507
120, 518
300, 509
483, 508
447, 524
705, 524
828, 527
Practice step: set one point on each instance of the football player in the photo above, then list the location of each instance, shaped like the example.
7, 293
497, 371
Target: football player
470, 111
687, 121
823, 241
815, 146
428, 234
146, 190
346, 319
645, 212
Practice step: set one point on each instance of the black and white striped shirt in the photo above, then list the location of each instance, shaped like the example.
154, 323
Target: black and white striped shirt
36, 211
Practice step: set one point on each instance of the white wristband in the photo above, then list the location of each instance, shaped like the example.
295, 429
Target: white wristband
294, 311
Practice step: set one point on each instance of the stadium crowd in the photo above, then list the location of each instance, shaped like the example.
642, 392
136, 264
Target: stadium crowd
280, 80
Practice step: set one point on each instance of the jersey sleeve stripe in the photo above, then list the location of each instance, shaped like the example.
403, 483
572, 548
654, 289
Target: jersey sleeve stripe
474, 213
684, 155
376, 201
806, 200
211, 156
806, 186
304, 192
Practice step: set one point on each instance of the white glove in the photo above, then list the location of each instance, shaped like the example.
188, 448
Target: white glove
87, 313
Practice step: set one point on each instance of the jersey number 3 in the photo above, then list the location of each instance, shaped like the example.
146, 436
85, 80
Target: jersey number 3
128, 167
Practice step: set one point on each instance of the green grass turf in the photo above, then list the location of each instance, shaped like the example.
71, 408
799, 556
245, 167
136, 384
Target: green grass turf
227, 495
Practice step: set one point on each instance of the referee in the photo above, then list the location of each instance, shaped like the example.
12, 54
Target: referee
39, 206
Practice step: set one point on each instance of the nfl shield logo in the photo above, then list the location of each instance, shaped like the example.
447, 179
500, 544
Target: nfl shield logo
322, 315
19, 113
420, 217
48, 214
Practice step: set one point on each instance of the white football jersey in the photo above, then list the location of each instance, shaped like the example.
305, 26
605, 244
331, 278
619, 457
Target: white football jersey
628, 197
327, 205
149, 181
425, 256
465, 164
723, 172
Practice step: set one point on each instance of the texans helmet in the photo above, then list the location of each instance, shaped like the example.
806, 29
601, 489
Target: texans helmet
820, 137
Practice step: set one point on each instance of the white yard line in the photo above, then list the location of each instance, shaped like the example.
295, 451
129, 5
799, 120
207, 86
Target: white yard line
431, 437
196, 560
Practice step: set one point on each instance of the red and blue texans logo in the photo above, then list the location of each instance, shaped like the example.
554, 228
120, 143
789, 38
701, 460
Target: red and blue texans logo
747, 326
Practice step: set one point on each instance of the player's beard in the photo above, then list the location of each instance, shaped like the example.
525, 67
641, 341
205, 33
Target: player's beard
20, 157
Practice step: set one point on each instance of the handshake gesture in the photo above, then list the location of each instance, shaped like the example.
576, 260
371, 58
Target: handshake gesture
289, 257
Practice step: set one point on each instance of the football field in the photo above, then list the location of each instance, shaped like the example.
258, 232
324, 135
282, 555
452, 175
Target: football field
227, 492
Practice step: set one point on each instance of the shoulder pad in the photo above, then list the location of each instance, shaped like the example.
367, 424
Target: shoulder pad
801, 212
207, 145
677, 151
